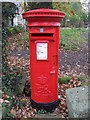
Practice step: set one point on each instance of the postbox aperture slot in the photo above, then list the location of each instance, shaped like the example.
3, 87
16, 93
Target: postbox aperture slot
41, 34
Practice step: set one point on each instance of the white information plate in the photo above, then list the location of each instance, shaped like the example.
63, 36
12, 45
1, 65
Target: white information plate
41, 50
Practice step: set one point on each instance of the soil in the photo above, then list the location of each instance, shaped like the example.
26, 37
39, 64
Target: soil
76, 61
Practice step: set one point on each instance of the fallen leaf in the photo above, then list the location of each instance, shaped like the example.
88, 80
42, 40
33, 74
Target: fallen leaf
13, 111
1, 101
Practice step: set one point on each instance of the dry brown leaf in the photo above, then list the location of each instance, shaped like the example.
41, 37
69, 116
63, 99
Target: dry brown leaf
79, 83
1, 101
28, 115
13, 111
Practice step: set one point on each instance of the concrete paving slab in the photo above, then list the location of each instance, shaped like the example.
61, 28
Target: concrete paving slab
51, 115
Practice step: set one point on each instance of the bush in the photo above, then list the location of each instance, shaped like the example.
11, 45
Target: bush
10, 80
76, 21
9, 76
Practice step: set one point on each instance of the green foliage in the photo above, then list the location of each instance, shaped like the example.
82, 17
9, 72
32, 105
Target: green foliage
64, 80
76, 21
10, 79
76, 7
88, 83
79, 16
81, 78
73, 12
84, 17
6, 112
9, 9
15, 30
15, 101
63, 6
84, 79
71, 39
4, 50
41, 112
22, 104
10, 76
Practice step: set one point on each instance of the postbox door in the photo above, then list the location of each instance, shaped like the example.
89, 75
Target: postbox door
44, 69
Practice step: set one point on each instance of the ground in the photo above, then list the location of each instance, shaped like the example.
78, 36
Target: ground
72, 63
75, 61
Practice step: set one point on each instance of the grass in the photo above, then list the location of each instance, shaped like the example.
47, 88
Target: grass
71, 39
88, 83
64, 80
84, 80
81, 78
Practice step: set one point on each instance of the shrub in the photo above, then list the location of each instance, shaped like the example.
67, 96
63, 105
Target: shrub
10, 79
15, 30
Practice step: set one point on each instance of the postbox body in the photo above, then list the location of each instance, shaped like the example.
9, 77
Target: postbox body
44, 63
44, 53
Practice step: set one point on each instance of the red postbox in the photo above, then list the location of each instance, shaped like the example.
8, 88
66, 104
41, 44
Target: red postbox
44, 54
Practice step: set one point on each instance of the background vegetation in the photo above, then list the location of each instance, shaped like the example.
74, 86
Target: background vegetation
9, 75
74, 15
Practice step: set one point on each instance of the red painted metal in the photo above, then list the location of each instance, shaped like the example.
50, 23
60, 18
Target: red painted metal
44, 32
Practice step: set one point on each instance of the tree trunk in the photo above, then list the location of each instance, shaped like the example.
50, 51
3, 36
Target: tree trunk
12, 21
63, 22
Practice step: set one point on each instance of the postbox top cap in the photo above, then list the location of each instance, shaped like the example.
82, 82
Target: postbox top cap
43, 12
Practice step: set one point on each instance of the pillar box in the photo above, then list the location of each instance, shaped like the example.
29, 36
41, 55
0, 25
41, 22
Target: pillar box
44, 54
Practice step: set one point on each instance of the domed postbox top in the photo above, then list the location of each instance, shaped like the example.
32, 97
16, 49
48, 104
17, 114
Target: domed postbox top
46, 15
43, 12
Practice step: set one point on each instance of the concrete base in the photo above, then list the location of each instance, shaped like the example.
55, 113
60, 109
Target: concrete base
77, 102
52, 115
55, 114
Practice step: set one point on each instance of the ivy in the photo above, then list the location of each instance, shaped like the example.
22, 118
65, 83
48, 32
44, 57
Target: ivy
9, 76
